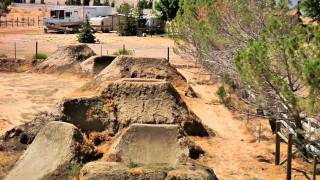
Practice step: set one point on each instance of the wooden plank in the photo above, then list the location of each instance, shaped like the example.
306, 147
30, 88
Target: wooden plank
315, 161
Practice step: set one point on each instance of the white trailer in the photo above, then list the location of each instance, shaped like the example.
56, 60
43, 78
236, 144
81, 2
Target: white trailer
71, 18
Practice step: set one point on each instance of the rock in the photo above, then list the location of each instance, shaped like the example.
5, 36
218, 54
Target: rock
149, 144
95, 64
54, 147
66, 59
134, 100
18, 138
137, 67
189, 92
115, 171
191, 172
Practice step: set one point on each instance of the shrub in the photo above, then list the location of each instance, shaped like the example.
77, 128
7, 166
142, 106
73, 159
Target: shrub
3, 56
123, 51
132, 164
223, 96
40, 55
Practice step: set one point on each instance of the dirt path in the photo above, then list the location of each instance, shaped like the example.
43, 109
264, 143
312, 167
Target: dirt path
235, 152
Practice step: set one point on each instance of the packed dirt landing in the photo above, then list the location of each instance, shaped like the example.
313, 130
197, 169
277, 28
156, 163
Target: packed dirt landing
136, 67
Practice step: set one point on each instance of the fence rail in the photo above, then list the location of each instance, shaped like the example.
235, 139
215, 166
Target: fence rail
20, 22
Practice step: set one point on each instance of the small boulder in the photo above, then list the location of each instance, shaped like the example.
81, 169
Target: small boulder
54, 147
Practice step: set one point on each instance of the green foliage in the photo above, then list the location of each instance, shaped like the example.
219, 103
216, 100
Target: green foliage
274, 64
97, 3
223, 96
311, 8
3, 55
73, 2
86, 35
40, 55
144, 4
124, 8
123, 51
132, 164
112, 3
167, 8
106, 3
74, 169
7, 3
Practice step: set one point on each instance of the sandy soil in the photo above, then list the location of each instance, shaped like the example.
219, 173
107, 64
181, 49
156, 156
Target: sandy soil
25, 39
22, 95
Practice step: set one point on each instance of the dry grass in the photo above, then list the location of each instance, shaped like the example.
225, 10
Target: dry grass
7, 161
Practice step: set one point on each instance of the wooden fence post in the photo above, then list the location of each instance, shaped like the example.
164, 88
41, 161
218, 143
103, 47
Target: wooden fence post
289, 158
38, 20
168, 54
6, 22
124, 48
32, 21
315, 161
17, 22
36, 50
101, 50
28, 21
12, 22
277, 153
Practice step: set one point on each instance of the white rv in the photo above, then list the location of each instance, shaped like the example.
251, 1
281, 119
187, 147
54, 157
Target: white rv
71, 18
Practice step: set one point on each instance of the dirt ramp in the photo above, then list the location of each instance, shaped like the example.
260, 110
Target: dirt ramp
55, 146
150, 144
137, 67
95, 64
133, 100
66, 59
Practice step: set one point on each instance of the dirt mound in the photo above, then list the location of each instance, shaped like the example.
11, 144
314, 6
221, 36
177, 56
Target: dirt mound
55, 146
112, 170
137, 67
66, 59
150, 144
129, 101
13, 65
95, 64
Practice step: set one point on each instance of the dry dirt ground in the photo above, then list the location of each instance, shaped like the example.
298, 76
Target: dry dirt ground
234, 153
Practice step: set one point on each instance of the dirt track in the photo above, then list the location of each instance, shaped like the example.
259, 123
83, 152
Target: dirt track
234, 153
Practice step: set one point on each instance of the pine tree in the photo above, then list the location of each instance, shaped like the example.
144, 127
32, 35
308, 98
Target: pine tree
168, 9
311, 8
86, 35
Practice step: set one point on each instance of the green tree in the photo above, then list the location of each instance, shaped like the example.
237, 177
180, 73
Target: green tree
142, 4
275, 64
124, 8
86, 35
97, 3
73, 2
167, 8
113, 3
311, 8
106, 3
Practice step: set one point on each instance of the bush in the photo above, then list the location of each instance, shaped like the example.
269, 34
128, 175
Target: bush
123, 51
3, 56
223, 97
40, 55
